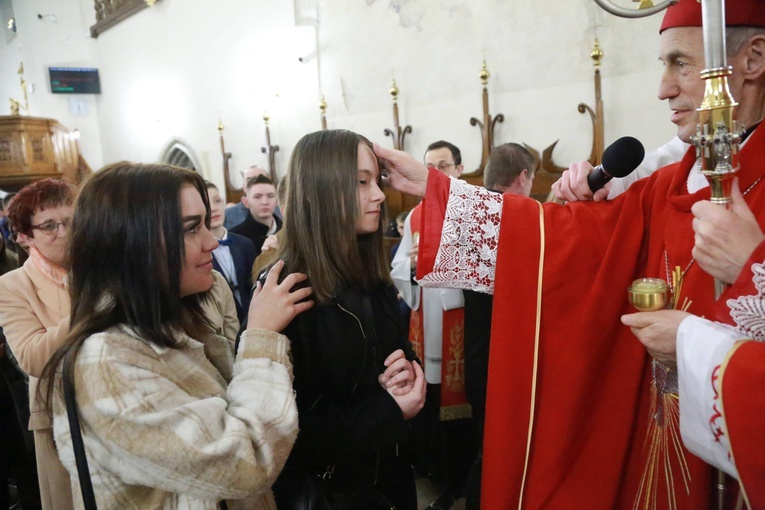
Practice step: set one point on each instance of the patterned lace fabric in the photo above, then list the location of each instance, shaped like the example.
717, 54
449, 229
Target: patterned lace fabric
467, 255
748, 312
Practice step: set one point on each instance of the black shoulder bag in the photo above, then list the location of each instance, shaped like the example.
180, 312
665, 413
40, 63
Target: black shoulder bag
83, 472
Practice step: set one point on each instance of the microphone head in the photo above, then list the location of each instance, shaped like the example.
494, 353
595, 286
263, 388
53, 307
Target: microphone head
623, 156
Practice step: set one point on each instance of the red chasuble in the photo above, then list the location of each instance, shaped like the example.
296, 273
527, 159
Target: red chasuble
569, 386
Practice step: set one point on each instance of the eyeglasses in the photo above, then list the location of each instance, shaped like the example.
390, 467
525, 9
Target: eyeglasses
50, 227
443, 167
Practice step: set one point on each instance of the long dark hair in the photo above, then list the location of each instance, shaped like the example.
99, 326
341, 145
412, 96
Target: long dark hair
320, 217
126, 250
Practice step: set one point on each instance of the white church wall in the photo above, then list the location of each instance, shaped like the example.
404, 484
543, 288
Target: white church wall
170, 72
538, 56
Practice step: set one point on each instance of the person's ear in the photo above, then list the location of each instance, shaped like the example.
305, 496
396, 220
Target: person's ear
754, 58
23, 239
459, 169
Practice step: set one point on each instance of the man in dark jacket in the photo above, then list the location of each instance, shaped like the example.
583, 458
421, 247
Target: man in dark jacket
260, 200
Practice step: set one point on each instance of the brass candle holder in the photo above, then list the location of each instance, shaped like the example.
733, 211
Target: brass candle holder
648, 294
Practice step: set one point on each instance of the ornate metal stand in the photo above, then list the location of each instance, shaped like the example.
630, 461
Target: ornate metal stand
270, 150
598, 125
397, 134
488, 124
395, 201
233, 194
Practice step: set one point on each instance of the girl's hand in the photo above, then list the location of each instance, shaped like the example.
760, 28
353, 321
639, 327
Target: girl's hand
399, 374
275, 304
411, 403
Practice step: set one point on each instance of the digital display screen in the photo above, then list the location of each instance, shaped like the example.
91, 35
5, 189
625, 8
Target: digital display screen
74, 80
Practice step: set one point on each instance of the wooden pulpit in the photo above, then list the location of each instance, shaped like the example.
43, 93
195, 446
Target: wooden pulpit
33, 148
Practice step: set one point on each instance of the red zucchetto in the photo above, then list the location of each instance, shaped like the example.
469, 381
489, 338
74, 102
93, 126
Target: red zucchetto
687, 13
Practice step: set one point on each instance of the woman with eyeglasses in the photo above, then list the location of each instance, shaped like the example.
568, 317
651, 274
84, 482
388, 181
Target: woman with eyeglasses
34, 312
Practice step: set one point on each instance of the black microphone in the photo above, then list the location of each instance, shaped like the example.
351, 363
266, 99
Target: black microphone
619, 159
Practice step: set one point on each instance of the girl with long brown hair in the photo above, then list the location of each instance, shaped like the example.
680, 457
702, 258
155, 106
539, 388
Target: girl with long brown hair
356, 380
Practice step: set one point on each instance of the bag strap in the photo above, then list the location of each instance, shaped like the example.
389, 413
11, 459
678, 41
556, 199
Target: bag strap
83, 472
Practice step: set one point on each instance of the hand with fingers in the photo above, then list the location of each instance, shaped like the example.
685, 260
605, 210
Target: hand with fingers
412, 401
657, 331
573, 186
271, 243
275, 304
405, 173
725, 238
413, 255
399, 373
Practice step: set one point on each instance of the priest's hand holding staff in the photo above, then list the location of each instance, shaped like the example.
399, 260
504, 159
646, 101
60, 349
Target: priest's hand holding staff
725, 238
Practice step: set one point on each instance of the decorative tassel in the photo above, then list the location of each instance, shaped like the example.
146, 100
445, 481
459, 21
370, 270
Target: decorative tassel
663, 441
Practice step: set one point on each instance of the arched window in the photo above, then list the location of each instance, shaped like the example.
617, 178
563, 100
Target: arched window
179, 154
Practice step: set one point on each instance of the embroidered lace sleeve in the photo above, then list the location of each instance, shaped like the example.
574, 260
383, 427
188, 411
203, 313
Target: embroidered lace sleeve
748, 312
467, 254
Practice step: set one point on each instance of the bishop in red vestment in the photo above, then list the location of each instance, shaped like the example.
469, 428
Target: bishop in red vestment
569, 392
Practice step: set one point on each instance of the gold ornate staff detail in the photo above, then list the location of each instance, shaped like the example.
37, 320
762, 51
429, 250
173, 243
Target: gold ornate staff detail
717, 134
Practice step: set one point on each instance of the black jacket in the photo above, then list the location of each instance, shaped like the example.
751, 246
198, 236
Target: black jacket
255, 231
348, 423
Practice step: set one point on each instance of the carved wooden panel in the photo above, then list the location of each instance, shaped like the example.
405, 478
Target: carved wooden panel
38, 149
33, 148
111, 12
5, 149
